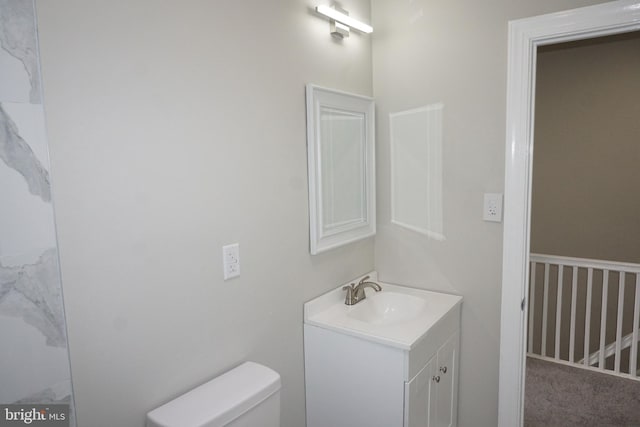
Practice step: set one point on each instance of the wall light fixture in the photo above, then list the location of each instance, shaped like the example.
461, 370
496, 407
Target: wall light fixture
341, 22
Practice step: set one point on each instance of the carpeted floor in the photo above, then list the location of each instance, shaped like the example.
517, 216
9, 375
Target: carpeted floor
563, 396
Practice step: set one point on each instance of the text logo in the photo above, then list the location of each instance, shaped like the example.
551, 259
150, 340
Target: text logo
34, 415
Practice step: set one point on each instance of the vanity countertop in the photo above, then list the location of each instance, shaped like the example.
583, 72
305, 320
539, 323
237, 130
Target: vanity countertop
398, 316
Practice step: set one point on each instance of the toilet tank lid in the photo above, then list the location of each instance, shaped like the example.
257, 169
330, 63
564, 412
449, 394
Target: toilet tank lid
219, 401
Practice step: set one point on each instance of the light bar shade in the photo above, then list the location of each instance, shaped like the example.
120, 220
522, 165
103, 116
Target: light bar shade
330, 12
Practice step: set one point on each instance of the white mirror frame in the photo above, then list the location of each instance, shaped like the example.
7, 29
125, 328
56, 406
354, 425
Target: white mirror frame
525, 35
321, 238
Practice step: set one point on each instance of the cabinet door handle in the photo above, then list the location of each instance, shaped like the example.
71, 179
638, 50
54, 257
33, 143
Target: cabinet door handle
436, 378
443, 369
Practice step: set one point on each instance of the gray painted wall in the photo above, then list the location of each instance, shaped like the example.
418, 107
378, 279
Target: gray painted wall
456, 53
177, 127
585, 174
153, 108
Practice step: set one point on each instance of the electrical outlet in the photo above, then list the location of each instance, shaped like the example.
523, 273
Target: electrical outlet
231, 260
492, 207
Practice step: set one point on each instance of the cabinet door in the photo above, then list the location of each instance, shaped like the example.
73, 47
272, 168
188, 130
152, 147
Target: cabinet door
418, 401
446, 389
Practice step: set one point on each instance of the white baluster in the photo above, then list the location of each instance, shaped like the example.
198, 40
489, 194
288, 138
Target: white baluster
532, 304
545, 303
619, 327
559, 309
587, 316
572, 332
603, 317
633, 360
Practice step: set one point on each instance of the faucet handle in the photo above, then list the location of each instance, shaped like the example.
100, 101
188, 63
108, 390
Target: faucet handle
365, 278
349, 298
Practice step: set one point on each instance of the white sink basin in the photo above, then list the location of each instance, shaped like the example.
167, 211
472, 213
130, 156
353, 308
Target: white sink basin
387, 308
398, 316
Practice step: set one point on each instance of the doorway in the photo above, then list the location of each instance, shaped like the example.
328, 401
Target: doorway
525, 36
582, 345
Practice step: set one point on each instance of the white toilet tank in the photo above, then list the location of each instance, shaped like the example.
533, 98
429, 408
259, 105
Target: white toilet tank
247, 396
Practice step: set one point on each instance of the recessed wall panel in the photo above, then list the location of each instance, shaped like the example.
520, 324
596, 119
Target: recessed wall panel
416, 170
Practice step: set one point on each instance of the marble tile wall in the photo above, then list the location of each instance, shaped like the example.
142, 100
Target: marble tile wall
34, 354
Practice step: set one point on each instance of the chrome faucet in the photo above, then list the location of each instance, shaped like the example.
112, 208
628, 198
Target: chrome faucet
355, 293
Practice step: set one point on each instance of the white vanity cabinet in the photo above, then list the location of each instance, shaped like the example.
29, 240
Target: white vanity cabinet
361, 377
431, 396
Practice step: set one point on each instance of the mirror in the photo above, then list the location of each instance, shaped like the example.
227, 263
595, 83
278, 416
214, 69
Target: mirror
340, 147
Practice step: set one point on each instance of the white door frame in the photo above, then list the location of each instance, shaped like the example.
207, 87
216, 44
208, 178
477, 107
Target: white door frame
525, 35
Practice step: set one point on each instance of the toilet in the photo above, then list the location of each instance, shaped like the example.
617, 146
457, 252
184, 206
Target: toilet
247, 396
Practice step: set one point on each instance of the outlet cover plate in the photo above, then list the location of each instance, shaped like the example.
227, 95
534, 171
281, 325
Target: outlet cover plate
231, 260
492, 207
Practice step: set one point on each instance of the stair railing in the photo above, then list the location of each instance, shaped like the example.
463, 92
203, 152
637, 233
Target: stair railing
566, 335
